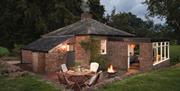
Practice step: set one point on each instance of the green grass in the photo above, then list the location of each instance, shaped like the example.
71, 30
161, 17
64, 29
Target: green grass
26, 83
175, 54
159, 80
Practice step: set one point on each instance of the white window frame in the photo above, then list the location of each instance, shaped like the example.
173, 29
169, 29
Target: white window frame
103, 45
162, 46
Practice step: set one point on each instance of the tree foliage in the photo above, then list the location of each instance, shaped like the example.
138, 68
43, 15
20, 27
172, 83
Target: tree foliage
169, 9
23, 21
132, 24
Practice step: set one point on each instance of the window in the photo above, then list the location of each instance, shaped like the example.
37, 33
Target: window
103, 46
70, 47
160, 52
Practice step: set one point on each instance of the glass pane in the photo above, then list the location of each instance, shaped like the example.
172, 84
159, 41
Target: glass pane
167, 51
163, 53
159, 54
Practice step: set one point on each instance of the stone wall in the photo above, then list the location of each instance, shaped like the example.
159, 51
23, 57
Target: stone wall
117, 54
26, 56
146, 56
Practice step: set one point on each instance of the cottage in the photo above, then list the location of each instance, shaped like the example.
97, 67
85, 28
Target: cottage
122, 49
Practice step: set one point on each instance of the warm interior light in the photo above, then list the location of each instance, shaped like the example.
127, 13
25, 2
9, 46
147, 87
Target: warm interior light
158, 57
111, 69
133, 45
64, 47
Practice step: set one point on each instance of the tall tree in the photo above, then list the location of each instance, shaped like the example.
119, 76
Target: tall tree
23, 21
131, 23
169, 9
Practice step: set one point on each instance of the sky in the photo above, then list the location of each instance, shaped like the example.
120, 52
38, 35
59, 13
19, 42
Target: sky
134, 6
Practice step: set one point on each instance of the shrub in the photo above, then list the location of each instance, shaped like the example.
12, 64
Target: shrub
102, 60
16, 50
4, 51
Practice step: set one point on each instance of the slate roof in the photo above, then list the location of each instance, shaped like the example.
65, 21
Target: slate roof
82, 27
45, 44
89, 27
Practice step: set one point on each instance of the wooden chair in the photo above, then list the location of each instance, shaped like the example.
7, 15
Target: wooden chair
93, 80
64, 80
64, 67
94, 67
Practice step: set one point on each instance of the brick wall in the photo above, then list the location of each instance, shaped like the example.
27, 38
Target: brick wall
146, 56
26, 56
53, 62
117, 54
38, 62
41, 62
163, 64
55, 57
81, 56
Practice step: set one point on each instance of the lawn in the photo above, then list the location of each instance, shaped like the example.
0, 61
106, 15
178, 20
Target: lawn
26, 83
175, 54
159, 80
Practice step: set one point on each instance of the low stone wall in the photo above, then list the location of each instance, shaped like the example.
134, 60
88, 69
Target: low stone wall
9, 70
103, 83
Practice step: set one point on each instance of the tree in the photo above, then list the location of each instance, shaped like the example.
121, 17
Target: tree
168, 9
23, 21
131, 23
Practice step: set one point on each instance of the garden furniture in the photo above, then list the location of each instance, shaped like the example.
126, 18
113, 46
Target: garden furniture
63, 79
64, 67
94, 67
93, 80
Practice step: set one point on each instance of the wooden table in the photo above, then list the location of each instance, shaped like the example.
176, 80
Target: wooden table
79, 76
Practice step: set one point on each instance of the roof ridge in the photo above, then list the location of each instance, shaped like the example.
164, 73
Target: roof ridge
114, 29
56, 36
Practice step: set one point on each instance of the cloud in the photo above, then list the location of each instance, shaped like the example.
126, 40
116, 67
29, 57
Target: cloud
134, 6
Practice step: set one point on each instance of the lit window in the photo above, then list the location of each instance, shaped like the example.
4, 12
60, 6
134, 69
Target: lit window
70, 47
103, 46
160, 52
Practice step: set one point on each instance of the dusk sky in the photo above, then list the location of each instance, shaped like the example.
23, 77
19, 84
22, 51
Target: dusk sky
134, 6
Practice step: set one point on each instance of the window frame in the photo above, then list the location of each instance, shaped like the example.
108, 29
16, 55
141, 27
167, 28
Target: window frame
160, 49
103, 46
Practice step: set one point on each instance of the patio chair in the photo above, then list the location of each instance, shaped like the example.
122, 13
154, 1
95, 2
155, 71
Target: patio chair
64, 67
64, 80
94, 67
93, 80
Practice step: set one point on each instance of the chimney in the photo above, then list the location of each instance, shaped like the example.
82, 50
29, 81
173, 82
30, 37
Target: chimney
86, 16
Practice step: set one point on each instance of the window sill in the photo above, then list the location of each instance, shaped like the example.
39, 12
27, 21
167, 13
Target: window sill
156, 63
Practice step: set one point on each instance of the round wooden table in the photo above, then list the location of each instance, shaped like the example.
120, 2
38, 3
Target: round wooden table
79, 77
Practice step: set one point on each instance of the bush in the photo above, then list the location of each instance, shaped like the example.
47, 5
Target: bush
102, 60
16, 50
4, 51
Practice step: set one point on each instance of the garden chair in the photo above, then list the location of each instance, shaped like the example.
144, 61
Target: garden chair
64, 80
64, 67
94, 67
93, 80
